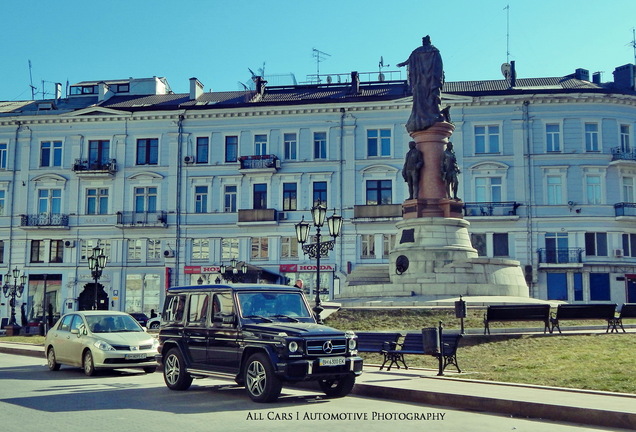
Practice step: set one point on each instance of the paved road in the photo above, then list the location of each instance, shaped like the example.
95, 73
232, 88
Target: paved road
34, 399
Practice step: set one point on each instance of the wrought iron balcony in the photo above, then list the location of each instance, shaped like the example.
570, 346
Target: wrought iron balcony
142, 219
560, 255
53, 220
256, 162
620, 154
625, 209
501, 208
82, 166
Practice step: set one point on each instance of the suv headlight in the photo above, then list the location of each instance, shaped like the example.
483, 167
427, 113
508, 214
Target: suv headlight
352, 340
292, 347
104, 346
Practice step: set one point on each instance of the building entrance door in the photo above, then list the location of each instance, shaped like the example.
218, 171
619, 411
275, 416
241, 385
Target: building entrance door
631, 288
86, 300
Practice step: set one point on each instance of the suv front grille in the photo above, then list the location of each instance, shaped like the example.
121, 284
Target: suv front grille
326, 347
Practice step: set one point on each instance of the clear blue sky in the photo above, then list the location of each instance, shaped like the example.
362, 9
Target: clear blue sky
218, 40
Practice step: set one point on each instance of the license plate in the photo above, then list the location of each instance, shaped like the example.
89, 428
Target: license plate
331, 361
135, 356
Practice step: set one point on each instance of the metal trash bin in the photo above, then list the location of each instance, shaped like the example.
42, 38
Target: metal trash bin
431, 341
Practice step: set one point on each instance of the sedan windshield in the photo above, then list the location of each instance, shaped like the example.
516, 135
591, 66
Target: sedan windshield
112, 324
272, 304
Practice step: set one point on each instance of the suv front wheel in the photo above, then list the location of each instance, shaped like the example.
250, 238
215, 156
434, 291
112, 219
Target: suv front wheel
338, 387
174, 371
261, 383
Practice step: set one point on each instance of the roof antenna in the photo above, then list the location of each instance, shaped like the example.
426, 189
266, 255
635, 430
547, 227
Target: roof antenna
31, 80
633, 43
507, 9
320, 56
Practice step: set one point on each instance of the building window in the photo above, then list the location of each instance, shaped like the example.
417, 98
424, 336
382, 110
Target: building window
89, 245
260, 246
260, 145
591, 137
37, 251
367, 246
50, 201
553, 137
628, 189
2, 201
488, 189
290, 196
154, 250
596, 244
147, 151
98, 153
96, 201
203, 149
231, 148
260, 196
600, 287
626, 146
201, 199
388, 240
201, 249
557, 248
3, 156
578, 286
320, 145
51, 153
145, 199
487, 139
500, 245
56, 251
229, 248
320, 193
229, 198
288, 248
557, 286
1, 251
479, 243
379, 192
134, 250
378, 142
593, 189
629, 245
554, 190
291, 146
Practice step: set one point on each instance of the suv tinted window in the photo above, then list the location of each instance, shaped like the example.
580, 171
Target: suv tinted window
198, 309
175, 305
223, 307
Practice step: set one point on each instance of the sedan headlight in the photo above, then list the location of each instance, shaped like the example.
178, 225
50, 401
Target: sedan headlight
104, 346
155, 343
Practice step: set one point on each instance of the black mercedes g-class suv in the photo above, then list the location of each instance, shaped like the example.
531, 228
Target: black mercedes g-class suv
259, 335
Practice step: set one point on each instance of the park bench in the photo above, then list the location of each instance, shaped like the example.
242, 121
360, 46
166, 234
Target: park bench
566, 312
377, 342
526, 312
628, 310
413, 343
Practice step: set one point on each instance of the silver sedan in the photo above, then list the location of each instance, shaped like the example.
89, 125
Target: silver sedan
100, 339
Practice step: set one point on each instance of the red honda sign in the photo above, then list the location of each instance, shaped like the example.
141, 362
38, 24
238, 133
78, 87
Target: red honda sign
201, 269
295, 268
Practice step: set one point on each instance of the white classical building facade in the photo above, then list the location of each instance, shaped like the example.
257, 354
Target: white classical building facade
172, 186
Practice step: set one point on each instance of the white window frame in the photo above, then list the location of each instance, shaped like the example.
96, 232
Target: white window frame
557, 196
100, 193
4, 155
625, 131
259, 250
553, 140
201, 199
592, 137
200, 249
488, 150
289, 248
54, 148
367, 246
135, 247
290, 146
260, 144
233, 208
324, 147
379, 148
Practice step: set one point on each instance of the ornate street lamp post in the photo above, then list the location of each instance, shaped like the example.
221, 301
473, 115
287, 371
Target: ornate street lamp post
13, 291
234, 273
96, 264
320, 248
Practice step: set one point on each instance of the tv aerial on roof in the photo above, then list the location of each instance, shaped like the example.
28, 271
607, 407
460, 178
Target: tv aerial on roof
506, 70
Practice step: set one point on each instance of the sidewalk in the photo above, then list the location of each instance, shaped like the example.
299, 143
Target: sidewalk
615, 410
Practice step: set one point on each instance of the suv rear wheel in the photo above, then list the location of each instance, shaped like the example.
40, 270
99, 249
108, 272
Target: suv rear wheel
338, 387
261, 383
174, 371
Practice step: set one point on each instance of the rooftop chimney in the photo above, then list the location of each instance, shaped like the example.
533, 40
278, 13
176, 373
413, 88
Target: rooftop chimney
355, 82
103, 92
58, 91
196, 89
624, 76
596, 78
513, 74
582, 74
260, 85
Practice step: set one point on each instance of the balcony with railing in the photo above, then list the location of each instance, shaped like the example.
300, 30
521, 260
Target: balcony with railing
622, 154
625, 209
560, 255
44, 220
260, 163
501, 208
92, 168
131, 219
377, 211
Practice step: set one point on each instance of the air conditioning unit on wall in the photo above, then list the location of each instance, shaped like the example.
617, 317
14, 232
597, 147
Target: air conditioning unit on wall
282, 216
188, 159
618, 253
168, 253
69, 243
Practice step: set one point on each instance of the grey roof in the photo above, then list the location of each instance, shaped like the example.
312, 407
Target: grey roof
306, 94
